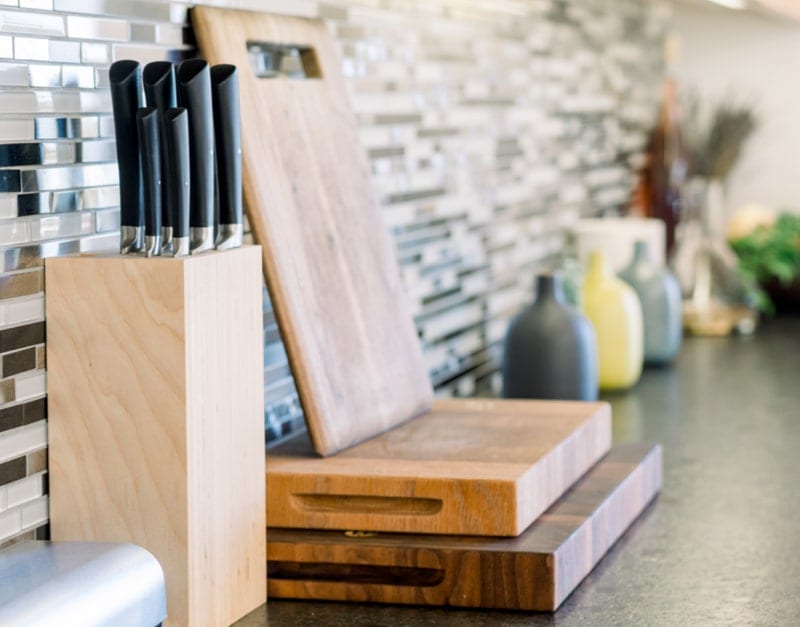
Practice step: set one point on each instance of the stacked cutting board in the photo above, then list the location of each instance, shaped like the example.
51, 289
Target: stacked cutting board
396, 497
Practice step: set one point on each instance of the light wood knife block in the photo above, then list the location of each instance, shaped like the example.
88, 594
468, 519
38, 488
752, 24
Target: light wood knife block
156, 406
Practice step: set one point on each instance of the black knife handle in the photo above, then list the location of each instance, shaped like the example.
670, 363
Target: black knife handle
228, 135
149, 147
194, 94
176, 125
125, 80
160, 92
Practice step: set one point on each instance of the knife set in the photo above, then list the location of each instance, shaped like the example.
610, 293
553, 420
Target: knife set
180, 159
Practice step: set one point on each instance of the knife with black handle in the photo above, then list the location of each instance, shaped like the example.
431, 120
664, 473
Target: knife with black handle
125, 80
176, 130
159, 91
150, 148
228, 135
194, 94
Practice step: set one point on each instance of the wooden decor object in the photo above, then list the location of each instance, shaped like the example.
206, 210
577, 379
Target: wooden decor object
328, 259
536, 571
484, 467
156, 419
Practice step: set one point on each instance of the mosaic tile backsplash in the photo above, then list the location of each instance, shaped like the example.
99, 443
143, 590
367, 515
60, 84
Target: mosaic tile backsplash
491, 127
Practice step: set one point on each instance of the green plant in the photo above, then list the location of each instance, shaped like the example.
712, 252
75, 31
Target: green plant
770, 252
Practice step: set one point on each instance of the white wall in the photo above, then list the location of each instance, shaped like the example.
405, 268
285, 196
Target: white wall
754, 56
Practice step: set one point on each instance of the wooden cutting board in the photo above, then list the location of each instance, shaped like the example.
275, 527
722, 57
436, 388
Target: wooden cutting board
328, 258
484, 467
536, 571
477, 467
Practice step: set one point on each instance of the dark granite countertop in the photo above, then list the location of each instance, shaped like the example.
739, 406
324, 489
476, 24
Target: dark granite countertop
720, 546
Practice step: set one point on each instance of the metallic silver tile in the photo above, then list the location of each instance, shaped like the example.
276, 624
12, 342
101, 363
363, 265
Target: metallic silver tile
14, 233
45, 75
100, 197
107, 220
65, 51
105, 243
97, 28
143, 33
62, 226
36, 154
143, 54
106, 125
95, 101
178, 13
13, 75
174, 35
80, 76
9, 181
31, 49
95, 152
41, 5
31, 256
45, 179
95, 53
66, 128
6, 47
12, 129
48, 202
156, 11
32, 23
8, 206
101, 78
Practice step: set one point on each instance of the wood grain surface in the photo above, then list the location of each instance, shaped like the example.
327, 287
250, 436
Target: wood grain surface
484, 467
536, 571
156, 419
328, 259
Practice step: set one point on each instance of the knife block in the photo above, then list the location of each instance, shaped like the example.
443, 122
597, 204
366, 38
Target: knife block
155, 383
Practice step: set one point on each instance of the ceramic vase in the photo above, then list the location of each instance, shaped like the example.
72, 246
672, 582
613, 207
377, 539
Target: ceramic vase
660, 296
616, 314
550, 349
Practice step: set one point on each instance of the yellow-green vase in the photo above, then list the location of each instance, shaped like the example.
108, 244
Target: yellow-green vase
614, 310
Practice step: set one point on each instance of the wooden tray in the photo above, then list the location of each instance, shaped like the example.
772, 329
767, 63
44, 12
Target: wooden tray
536, 571
479, 467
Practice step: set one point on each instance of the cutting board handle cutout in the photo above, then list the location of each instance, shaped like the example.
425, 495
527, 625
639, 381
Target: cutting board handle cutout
349, 504
279, 60
355, 573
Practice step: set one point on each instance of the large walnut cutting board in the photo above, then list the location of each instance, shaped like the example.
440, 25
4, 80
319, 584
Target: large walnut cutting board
536, 571
328, 259
483, 467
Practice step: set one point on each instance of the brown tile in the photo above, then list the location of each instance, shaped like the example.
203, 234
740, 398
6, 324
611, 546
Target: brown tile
41, 357
37, 461
12, 470
22, 284
7, 391
34, 411
11, 417
23, 537
21, 336
19, 361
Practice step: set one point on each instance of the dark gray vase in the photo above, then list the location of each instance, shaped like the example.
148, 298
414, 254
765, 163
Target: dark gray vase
550, 349
660, 295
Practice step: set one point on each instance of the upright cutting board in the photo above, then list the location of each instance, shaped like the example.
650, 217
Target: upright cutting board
328, 259
536, 571
394, 461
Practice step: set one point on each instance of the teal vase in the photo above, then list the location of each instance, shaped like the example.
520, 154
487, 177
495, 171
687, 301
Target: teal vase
660, 295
